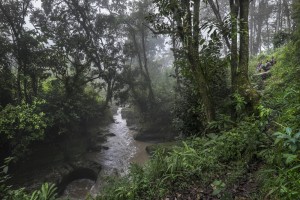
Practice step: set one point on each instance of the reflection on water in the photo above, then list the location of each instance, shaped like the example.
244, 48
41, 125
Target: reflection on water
122, 150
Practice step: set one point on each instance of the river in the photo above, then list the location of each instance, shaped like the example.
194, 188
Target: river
118, 153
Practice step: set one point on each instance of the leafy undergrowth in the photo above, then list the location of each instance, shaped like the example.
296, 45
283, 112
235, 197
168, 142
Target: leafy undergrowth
199, 167
281, 175
257, 158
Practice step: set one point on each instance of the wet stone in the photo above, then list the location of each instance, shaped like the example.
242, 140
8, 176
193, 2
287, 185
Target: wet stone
105, 148
110, 134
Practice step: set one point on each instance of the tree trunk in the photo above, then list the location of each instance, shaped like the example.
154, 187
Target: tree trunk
26, 95
189, 35
268, 34
278, 18
34, 83
234, 7
244, 40
239, 62
252, 11
203, 85
108, 93
147, 75
143, 63
260, 19
19, 87
244, 87
176, 66
287, 14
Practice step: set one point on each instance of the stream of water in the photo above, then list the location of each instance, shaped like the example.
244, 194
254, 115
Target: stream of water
118, 152
122, 148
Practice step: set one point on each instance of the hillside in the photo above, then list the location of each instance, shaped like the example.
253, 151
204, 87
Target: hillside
254, 158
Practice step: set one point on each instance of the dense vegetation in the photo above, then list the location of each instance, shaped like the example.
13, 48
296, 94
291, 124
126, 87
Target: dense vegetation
254, 157
239, 136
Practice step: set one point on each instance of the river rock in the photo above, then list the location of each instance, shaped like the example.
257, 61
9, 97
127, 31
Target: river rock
100, 139
134, 128
82, 169
97, 147
110, 134
105, 148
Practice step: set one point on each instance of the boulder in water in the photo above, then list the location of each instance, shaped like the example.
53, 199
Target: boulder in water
110, 134
105, 148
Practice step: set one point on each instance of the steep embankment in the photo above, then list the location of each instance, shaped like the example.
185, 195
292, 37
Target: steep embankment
246, 160
281, 99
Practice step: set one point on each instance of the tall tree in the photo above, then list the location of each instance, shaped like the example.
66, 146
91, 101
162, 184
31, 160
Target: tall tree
25, 45
260, 18
138, 36
239, 66
287, 13
88, 42
186, 17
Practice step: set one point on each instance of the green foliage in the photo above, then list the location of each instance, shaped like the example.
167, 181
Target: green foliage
282, 175
22, 125
4, 177
239, 103
218, 161
223, 123
284, 103
296, 18
288, 140
47, 191
6, 87
63, 110
280, 110
284, 185
188, 112
280, 39
218, 187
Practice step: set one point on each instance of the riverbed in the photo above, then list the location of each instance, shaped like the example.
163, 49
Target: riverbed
118, 152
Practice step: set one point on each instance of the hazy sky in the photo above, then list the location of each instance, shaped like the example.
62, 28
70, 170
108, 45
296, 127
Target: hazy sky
37, 3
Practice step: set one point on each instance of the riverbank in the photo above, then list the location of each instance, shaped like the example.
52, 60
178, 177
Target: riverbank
78, 165
154, 129
63, 160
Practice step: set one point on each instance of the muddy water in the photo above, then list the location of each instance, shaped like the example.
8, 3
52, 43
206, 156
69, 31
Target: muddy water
115, 158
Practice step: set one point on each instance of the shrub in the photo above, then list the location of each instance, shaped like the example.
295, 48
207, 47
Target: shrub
216, 162
281, 38
22, 125
64, 111
280, 176
47, 191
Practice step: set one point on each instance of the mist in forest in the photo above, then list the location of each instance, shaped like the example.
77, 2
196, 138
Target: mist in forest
140, 90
